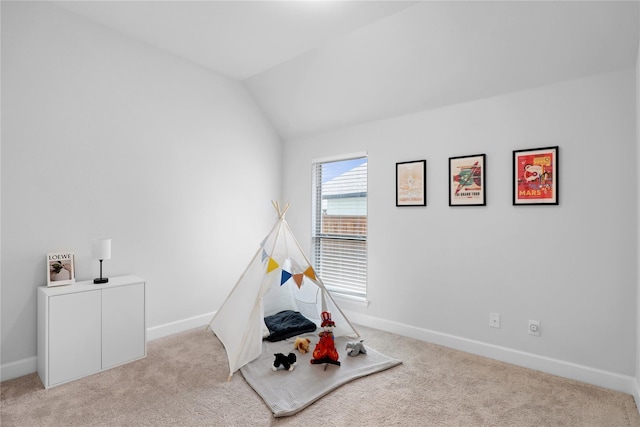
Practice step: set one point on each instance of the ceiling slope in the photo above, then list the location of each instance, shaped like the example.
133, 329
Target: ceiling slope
441, 53
235, 38
315, 66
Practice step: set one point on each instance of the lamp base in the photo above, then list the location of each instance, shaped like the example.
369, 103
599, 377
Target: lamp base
101, 280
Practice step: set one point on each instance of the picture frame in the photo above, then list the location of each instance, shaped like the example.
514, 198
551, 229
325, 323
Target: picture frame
60, 268
467, 183
411, 183
535, 176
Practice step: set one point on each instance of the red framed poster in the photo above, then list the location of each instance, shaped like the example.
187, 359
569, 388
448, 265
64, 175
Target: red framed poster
535, 176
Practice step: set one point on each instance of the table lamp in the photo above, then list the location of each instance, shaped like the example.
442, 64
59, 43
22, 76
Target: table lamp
101, 250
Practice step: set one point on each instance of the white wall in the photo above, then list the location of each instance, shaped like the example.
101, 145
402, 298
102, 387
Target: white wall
104, 136
0, 189
637, 385
437, 272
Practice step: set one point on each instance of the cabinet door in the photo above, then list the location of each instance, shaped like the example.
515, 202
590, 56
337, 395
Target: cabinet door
74, 336
123, 324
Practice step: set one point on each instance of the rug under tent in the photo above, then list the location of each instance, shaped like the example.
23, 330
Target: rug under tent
288, 392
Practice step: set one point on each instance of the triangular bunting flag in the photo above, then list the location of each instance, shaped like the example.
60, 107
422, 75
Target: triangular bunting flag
310, 273
285, 276
272, 265
264, 255
298, 279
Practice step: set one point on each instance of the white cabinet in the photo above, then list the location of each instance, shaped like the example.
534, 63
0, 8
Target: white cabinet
85, 328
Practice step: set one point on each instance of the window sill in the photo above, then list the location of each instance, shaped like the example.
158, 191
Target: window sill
350, 299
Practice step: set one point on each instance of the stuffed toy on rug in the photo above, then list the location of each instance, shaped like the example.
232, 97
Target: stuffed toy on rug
287, 362
302, 345
354, 348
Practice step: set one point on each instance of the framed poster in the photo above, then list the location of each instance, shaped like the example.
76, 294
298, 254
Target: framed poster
60, 269
535, 176
466, 180
411, 183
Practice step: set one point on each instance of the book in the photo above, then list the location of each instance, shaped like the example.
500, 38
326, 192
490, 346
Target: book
60, 269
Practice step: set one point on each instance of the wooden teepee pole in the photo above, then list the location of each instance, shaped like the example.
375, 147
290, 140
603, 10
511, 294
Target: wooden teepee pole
282, 212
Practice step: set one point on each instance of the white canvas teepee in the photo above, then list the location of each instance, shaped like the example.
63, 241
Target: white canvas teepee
279, 277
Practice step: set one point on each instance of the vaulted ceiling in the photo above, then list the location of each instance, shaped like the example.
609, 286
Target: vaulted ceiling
315, 66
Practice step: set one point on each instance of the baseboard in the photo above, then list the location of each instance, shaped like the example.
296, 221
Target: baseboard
19, 368
29, 365
179, 326
610, 380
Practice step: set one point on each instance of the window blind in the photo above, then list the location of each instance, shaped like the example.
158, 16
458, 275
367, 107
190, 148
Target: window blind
340, 225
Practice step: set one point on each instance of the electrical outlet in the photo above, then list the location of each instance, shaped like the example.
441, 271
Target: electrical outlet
494, 320
534, 328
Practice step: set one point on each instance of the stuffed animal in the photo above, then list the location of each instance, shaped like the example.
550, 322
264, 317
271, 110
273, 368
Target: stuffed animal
287, 362
302, 344
325, 351
354, 348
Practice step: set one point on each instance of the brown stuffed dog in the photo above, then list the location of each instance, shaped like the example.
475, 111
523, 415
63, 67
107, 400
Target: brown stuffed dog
302, 344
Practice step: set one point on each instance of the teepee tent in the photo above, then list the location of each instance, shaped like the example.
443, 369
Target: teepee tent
279, 277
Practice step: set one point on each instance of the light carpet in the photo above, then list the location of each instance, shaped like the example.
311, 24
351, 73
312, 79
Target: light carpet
288, 392
183, 382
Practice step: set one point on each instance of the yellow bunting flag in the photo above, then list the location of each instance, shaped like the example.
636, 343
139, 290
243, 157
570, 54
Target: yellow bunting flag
310, 273
298, 279
272, 265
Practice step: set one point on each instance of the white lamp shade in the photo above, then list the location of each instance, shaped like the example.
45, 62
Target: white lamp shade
101, 249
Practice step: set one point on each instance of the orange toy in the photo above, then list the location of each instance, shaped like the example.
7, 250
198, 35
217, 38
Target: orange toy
325, 351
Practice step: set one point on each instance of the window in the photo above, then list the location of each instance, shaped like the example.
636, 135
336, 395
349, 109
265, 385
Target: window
339, 218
